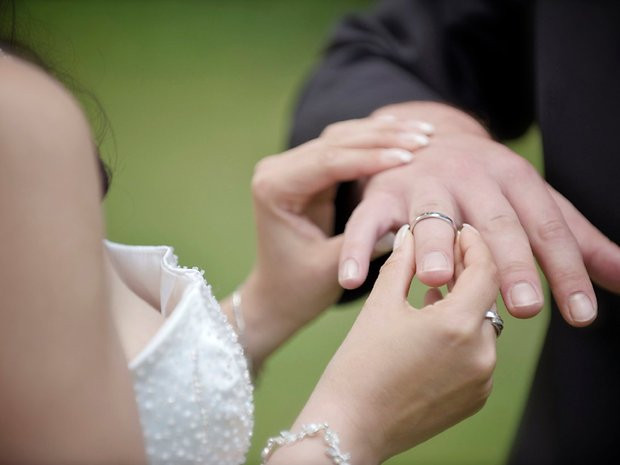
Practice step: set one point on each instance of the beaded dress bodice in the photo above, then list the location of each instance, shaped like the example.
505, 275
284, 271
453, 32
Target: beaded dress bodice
191, 381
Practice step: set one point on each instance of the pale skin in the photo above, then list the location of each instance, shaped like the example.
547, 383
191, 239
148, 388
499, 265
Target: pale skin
466, 175
64, 348
431, 367
64, 374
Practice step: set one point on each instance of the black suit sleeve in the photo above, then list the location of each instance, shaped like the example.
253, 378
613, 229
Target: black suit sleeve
474, 54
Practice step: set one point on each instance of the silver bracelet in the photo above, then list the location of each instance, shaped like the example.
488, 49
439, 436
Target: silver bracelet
238, 315
240, 324
330, 438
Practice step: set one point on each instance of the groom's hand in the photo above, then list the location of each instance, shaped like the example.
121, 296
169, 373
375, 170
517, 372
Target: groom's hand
470, 178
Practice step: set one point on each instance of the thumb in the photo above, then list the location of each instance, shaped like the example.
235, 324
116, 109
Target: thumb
397, 272
477, 286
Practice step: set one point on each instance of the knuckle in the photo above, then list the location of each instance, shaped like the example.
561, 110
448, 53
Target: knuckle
552, 230
262, 184
484, 364
516, 167
569, 278
334, 129
262, 187
431, 206
457, 331
500, 223
515, 268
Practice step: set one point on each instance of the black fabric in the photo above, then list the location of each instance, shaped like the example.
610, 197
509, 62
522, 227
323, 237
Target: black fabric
510, 63
475, 54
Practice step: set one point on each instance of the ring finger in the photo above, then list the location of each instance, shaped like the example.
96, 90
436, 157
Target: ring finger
434, 234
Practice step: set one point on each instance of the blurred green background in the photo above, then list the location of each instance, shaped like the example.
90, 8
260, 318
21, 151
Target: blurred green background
196, 92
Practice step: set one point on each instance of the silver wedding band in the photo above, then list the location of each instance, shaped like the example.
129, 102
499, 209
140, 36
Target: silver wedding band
437, 215
495, 320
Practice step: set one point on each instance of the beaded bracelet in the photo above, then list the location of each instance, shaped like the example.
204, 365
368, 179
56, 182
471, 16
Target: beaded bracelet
330, 437
238, 315
240, 324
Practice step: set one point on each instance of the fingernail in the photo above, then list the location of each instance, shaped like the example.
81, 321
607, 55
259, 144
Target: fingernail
400, 235
435, 261
386, 117
401, 155
426, 128
419, 139
581, 308
523, 294
350, 269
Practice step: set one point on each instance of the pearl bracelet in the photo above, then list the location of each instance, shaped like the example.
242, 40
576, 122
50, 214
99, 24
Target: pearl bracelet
330, 437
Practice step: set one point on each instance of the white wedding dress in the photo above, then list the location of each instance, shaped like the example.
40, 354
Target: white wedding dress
191, 381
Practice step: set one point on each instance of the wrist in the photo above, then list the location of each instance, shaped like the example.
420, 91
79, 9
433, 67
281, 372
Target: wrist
266, 325
326, 447
445, 118
364, 449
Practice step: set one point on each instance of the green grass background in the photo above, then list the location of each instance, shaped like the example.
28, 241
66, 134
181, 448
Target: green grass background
196, 92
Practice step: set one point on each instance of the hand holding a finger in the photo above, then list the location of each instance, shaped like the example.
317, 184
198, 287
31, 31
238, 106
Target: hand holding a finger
295, 274
403, 374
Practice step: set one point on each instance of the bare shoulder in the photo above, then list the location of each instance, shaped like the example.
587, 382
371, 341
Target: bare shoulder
35, 107
43, 131
54, 316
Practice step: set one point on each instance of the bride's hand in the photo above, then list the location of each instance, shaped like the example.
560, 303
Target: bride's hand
403, 375
295, 275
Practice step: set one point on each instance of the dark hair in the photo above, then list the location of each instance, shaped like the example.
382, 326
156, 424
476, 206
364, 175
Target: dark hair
12, 43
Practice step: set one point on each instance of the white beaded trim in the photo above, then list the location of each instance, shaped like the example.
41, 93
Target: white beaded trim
330, 437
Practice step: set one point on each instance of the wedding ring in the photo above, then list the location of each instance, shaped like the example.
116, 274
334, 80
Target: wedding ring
437, 215
495, 320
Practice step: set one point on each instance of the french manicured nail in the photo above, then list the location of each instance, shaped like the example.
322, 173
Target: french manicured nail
419, 139
400, 236
523, 294
401, 155
435, 261
386, 117
350, 269
426, 128
581, 308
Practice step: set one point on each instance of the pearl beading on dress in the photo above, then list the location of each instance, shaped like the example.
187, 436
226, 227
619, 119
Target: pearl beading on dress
192, 384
